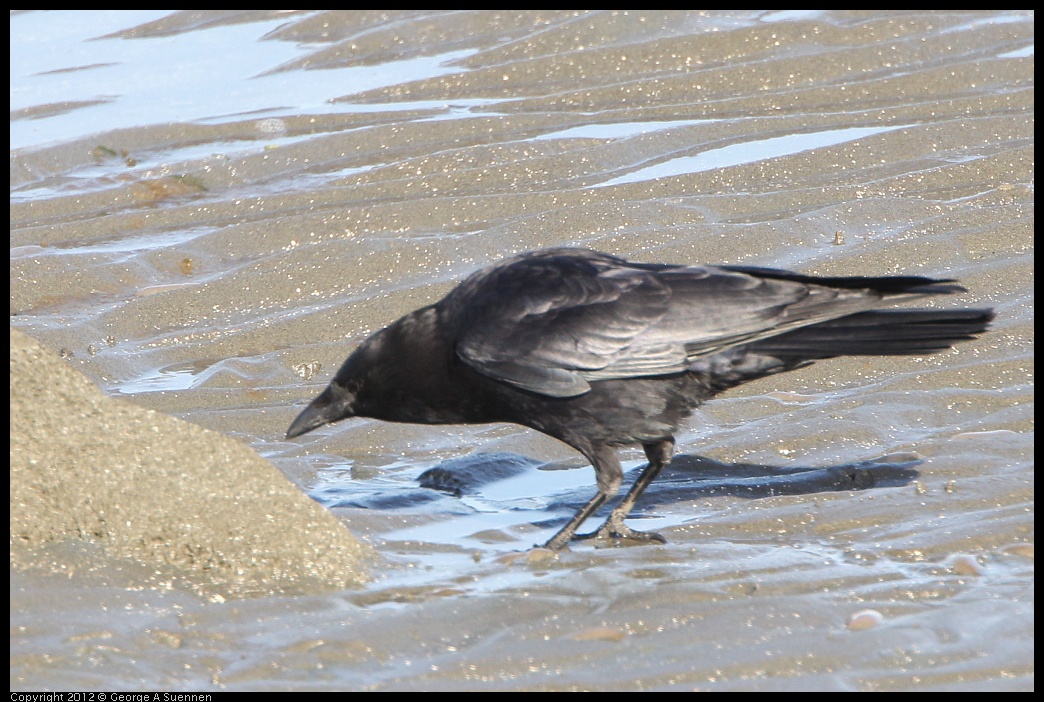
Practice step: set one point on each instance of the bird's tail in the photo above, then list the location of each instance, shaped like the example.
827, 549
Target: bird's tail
879, 333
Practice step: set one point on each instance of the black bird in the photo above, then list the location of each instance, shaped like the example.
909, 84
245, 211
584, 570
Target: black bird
600, 352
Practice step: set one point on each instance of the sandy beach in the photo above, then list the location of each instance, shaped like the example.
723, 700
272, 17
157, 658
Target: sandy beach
194, 253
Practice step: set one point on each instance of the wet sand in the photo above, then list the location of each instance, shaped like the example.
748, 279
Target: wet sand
219, 270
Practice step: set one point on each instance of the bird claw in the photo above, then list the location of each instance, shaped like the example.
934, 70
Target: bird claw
622, 532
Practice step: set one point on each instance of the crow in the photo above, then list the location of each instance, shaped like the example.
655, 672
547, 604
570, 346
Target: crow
600, 352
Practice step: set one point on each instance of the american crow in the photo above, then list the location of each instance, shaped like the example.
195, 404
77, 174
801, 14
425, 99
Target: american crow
600, 352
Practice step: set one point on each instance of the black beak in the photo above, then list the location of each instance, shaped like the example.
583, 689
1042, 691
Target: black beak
333, 404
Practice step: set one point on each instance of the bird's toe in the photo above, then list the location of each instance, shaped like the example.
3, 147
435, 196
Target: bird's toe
621, 532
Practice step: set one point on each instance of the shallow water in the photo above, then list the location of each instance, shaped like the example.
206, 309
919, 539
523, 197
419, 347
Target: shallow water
209, 210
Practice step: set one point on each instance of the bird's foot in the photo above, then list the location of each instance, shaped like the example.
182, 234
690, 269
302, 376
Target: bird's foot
618, 531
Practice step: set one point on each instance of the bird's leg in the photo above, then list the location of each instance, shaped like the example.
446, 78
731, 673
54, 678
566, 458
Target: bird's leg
659, 455
609, 474
566, 534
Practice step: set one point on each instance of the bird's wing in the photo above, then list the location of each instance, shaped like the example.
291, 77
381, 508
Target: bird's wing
540, 321
550, 322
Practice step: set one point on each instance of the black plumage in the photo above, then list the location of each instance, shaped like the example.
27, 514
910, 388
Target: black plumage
600, 352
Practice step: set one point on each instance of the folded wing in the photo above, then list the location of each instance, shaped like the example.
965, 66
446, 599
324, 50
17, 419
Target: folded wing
552, 321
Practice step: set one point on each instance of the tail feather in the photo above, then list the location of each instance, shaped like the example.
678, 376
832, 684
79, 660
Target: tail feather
886, 285
879, 333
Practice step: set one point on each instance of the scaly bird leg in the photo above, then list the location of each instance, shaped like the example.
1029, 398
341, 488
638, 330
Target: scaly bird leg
659, 455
